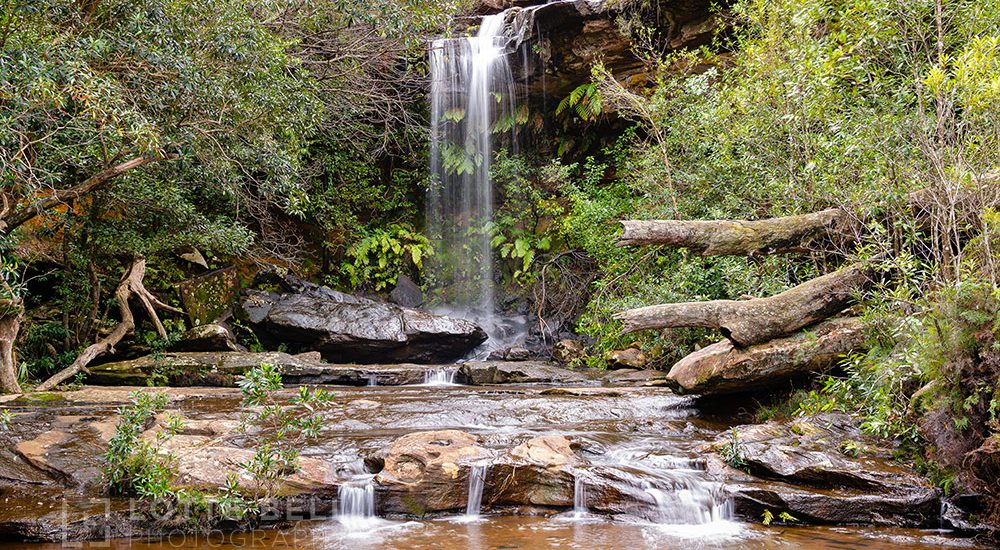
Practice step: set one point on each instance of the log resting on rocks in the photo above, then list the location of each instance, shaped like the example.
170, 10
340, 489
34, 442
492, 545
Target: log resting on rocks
748, 322
737, 237
723, 368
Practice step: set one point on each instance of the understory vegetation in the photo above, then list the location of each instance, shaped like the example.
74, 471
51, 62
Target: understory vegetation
139, 462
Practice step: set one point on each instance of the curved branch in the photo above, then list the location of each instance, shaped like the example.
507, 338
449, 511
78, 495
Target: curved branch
13, 220
130, 285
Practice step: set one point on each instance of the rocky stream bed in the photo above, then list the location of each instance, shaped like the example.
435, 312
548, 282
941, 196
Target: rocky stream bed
533, 454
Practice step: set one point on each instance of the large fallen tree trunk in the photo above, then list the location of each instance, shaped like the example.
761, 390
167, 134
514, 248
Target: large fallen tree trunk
130, 286
738, 237
748, 322
723, 368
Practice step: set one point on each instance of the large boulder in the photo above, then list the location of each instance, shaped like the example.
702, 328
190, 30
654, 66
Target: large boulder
480, 373
349, 328
210, 337
821, 469
425, 472
208, 297
538, 472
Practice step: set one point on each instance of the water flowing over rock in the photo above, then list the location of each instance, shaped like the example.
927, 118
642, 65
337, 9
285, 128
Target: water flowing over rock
348, 328
621, 452
421, 470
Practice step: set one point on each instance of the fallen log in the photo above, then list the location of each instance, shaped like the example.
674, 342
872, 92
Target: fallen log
748, 322
737, 237
723, 368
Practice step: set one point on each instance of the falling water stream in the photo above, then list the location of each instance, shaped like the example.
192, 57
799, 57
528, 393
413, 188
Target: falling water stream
440, 377
472, 94
477, 480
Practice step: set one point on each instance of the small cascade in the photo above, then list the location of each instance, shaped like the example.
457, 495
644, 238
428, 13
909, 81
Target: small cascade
440, 377
477, 479
356, 499
689, 501
579, 497
356, 504
372, 380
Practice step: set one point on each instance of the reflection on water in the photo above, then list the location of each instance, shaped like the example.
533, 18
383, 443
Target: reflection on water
529, 533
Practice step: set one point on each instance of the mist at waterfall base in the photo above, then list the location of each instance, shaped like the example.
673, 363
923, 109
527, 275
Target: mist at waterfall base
473, 102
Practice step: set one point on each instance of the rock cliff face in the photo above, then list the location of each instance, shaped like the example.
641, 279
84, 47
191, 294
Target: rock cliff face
558, 42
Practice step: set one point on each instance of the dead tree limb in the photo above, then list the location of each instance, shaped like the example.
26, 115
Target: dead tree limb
130, 286
723, 368
737, 237
747, 322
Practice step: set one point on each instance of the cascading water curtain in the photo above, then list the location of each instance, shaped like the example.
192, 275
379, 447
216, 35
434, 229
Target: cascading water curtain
472, 106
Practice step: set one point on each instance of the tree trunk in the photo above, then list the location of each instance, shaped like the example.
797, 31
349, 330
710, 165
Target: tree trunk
11, 313
723, 368
737, 237
131, 285
757, 320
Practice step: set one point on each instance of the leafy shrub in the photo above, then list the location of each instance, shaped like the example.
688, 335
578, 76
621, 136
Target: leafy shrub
279, 428
133, 466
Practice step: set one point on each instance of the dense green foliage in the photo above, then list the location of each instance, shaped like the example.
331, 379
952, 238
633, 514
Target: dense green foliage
237, 132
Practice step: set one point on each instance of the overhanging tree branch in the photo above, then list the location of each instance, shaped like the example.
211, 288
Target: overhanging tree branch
11, 220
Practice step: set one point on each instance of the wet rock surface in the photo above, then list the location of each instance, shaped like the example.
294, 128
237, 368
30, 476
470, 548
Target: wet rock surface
823, 469
635, 451
519, 372
349, 328
223, 369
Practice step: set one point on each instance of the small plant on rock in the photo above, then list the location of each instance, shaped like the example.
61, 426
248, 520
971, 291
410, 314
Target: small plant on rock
731, 452
133, 465
281, 427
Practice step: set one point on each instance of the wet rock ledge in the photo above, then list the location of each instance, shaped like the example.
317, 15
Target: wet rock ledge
820, 470
223, 368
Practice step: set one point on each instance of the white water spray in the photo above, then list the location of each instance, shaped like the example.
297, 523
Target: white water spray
440, 377
472, 104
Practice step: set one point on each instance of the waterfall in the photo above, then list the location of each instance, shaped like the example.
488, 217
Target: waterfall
440, 377
472, 103
356, 499
356, 504
477, 479
579, 497
689, 500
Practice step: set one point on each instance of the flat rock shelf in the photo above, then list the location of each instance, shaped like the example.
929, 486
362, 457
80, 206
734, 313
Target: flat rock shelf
614, 461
